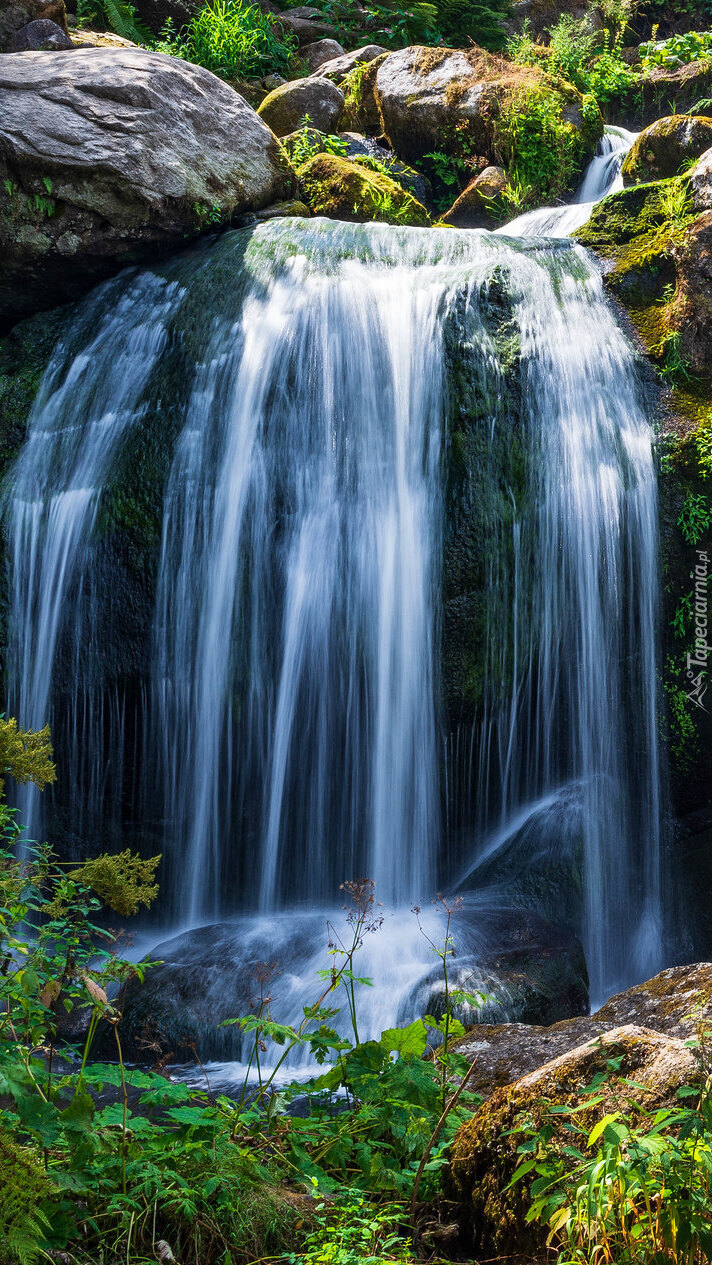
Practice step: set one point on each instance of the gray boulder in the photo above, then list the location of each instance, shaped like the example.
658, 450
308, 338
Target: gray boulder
14, 14
286, 109
428, 97
339, 67
41, 35
321, 51
111, 156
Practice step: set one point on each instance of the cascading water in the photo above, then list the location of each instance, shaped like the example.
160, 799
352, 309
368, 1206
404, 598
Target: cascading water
292, 386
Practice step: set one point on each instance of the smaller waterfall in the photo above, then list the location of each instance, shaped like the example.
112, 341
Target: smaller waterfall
602, 177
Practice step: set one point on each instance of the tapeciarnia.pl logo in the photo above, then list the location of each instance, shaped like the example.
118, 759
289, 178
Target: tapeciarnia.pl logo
697, 661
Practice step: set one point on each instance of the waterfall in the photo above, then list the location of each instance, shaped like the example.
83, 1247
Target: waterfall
283, 730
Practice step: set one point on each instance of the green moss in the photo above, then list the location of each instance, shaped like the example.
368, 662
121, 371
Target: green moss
345, 190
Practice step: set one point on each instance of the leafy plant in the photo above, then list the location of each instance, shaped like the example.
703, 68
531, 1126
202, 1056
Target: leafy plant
540, 150
351, 1230
676, 51
233, 39
591, 60
118, 16
308, 141
695, 517
634, 1189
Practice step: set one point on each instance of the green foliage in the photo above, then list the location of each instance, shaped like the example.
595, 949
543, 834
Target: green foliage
395, 23
634, 1189
233, 39
591, 60
308, 141
352, 1231
122, 882
118, 16
676, 51
541, 152
25, 754
695, 517
682, 619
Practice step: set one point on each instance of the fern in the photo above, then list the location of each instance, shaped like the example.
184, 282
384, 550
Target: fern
23, 1184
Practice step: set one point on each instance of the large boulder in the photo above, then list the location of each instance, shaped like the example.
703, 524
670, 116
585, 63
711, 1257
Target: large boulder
14, 14
484, 1154
315, 99
110, 156
506, 1052
436, 99
347, 190
666, 148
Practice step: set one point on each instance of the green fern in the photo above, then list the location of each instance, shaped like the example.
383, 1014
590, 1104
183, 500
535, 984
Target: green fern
23, 1184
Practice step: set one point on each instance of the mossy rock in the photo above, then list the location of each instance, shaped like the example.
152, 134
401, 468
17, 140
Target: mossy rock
345, 190
636, 230
666, 148
484, 1153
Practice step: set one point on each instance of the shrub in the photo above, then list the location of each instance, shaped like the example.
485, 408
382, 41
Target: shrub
233, 39
591, 60
541, 152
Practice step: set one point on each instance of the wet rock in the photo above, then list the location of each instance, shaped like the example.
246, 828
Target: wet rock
14, 14
322, 51
207, 975
339, 67
286, 109
346, 190
484, 1153
110, 156
473, 208
665, 1004
666, 148
39, 36
430, 97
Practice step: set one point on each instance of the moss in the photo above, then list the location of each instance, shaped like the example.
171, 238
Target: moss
484, 1153
345, 190
664, 149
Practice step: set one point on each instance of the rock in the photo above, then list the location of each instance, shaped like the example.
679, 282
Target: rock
305, 30
101, 39
663, 92
666, 147
277, 212
664, 1004
345, 190
320, 52
365, 147
340, 67
429, 98
541, 15
14, 14
286, 109
484, 1152
361, 108
111, 156
693, 295
700, 178
42, 35
473, 208
270, 82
